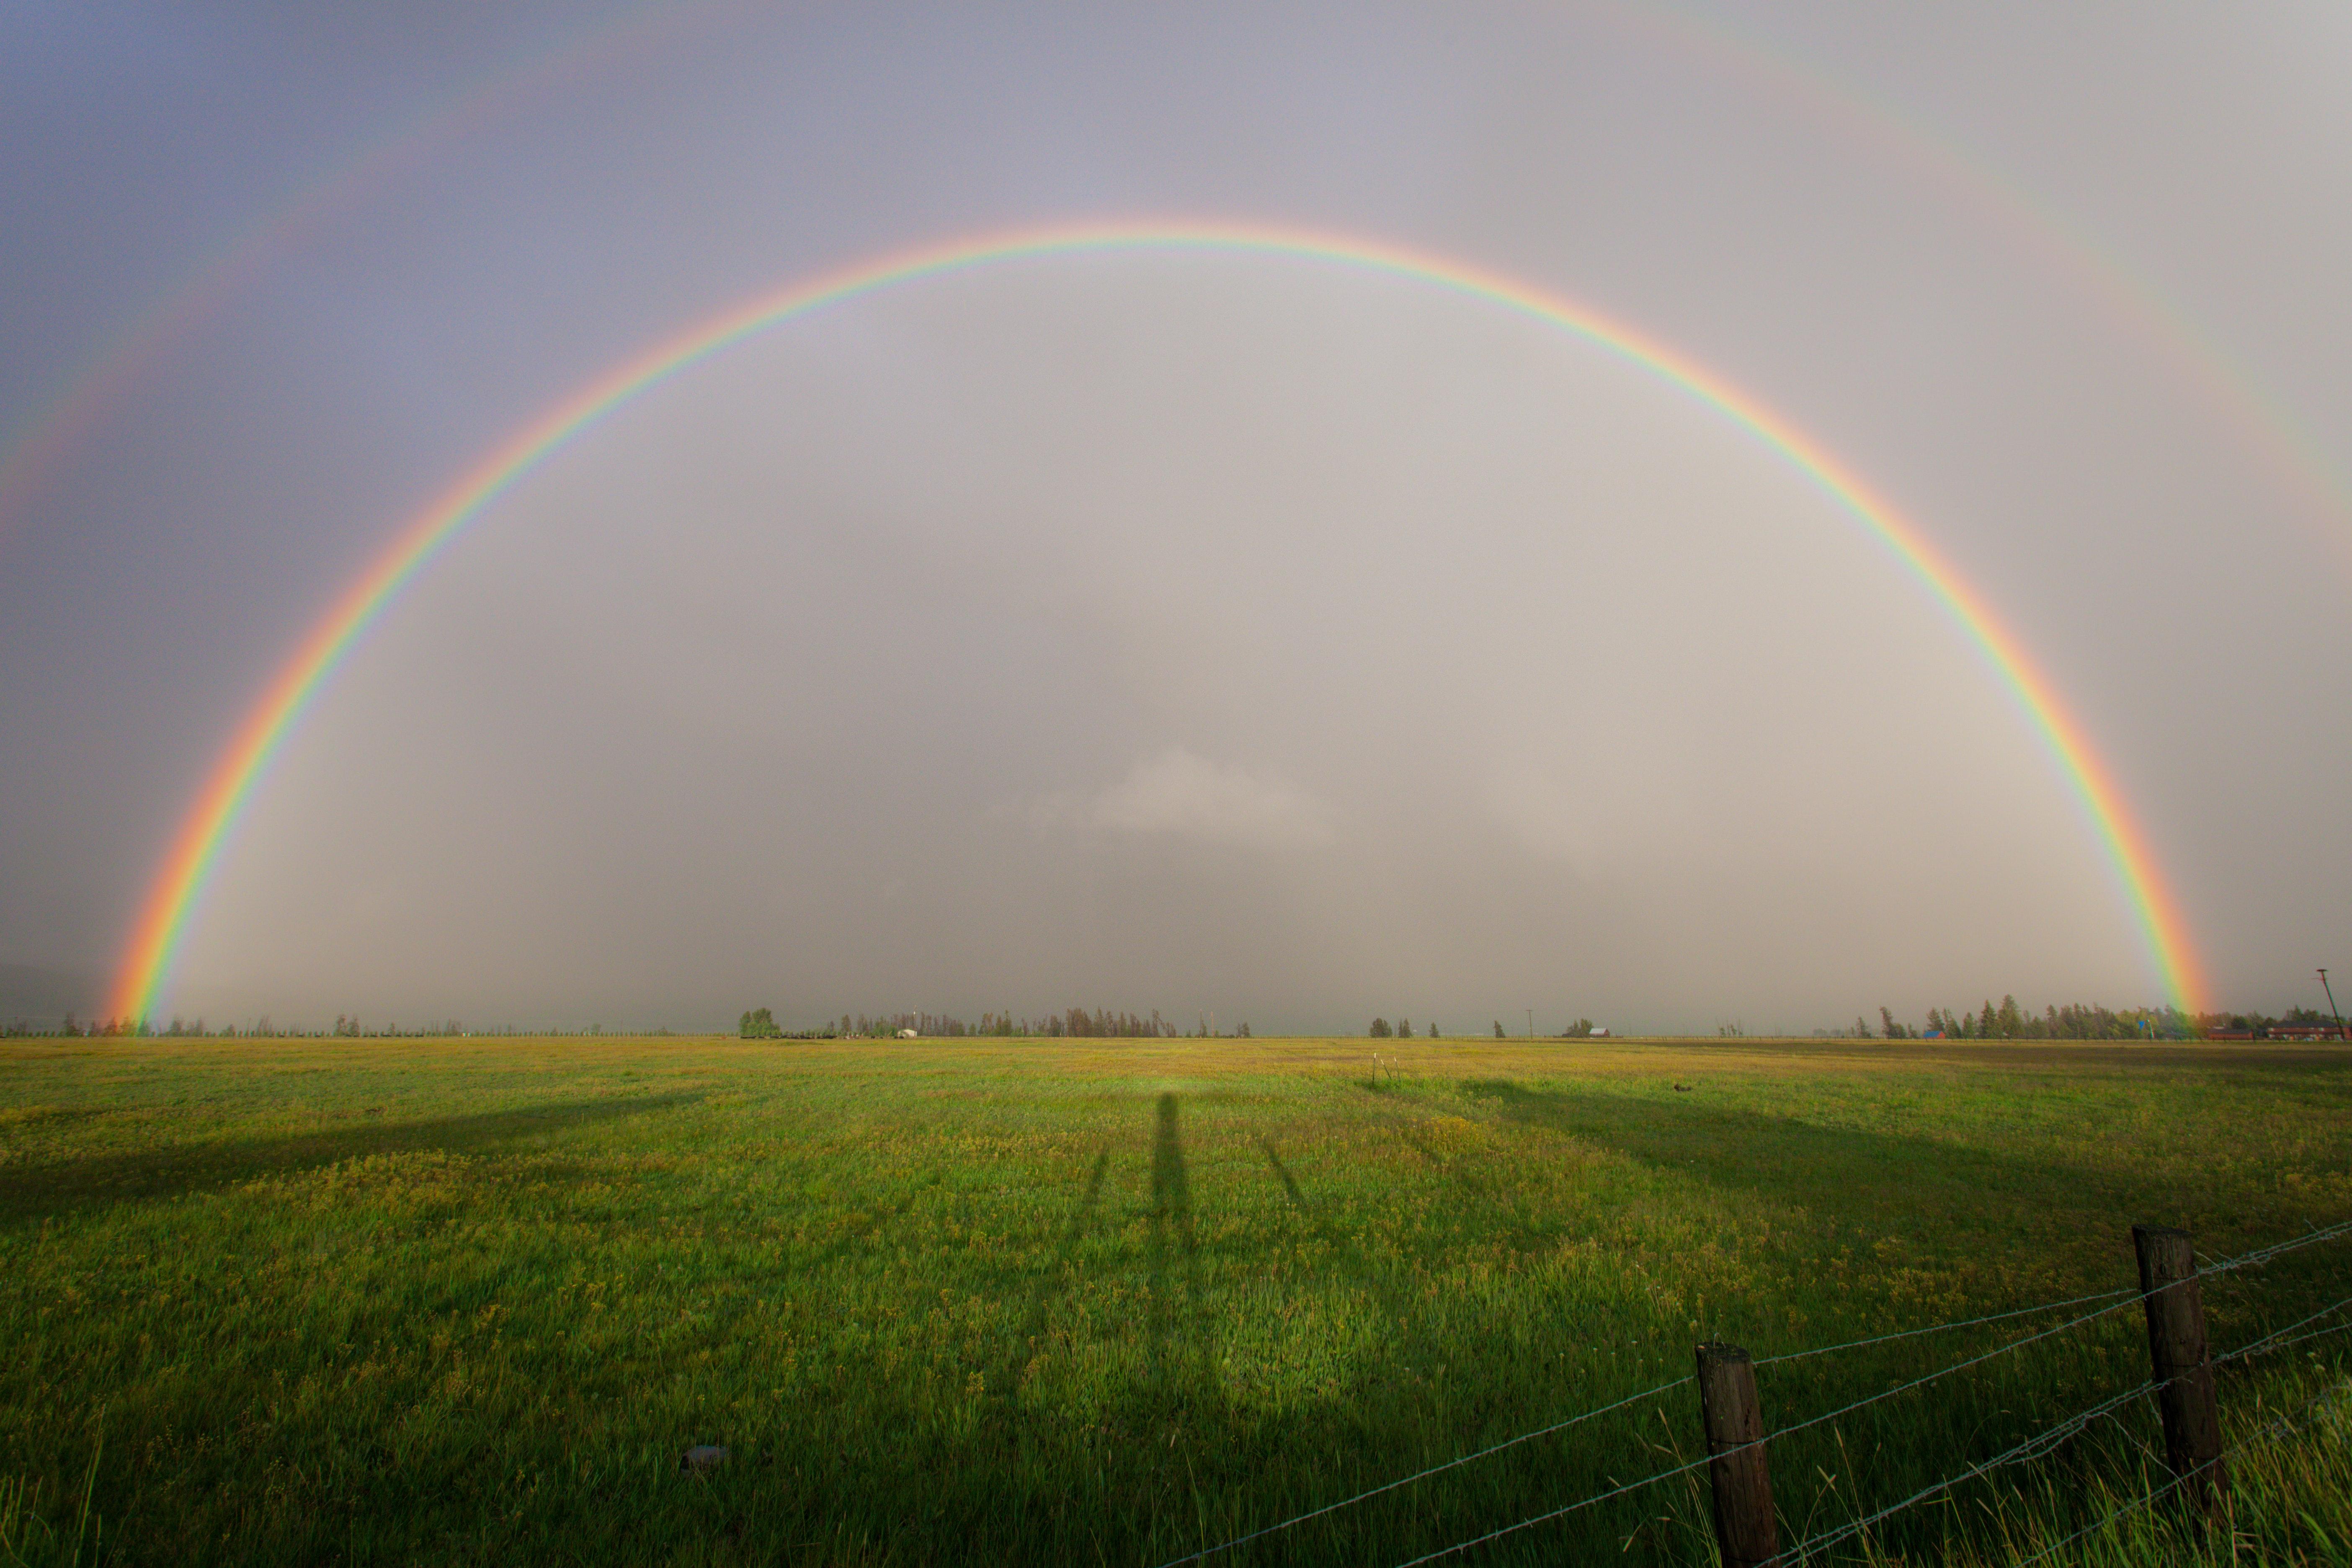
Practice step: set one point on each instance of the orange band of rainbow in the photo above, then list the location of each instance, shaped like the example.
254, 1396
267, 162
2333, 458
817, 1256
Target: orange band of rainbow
179, 883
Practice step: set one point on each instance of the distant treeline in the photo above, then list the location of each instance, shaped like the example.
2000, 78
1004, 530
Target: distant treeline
1381, 1029
1076, 1022
2081, 1021
2006, 1021
2258, 1024
759, 1023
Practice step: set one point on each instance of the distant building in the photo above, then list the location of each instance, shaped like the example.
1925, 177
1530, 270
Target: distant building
2229, 1033
1599, 1030
2306, 1032
908, 1035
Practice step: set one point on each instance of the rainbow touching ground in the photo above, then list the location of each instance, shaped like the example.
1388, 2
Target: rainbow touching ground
178, 885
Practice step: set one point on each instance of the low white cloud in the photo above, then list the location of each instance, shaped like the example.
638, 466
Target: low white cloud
1180, 795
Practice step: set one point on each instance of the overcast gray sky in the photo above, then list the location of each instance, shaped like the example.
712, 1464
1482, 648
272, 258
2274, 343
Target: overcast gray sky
1189, 631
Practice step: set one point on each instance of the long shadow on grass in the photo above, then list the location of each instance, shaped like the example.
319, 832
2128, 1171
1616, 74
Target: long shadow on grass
31, 1191
1282, 1173
1876, 1181
1469, 1409
1173, 1255
1044, 1287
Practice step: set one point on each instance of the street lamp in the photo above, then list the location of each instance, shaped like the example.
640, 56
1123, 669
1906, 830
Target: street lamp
2331, 1002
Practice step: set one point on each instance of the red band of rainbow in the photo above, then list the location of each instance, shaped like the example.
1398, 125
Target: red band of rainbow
179, 884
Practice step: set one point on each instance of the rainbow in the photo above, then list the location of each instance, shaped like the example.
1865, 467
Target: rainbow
2282, 446
178, 886
138, 349
2291, 458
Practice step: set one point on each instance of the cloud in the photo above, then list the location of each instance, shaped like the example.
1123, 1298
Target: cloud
1548, 819
1184, 795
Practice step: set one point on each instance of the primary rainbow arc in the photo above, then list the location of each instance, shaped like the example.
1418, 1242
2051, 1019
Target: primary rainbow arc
178, 886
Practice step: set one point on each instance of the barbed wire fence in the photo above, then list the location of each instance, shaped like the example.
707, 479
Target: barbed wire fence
2032, 1447
2157, 1494
2048, 1439
1404, 1481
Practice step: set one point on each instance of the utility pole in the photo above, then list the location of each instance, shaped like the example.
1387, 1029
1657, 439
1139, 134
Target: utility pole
2331, 1002
1531, 1022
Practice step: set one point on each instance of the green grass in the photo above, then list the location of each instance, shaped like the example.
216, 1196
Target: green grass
1113, 1301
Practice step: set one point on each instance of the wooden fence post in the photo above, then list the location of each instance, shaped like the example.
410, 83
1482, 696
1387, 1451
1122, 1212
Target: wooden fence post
2181, 1361
1744, 1528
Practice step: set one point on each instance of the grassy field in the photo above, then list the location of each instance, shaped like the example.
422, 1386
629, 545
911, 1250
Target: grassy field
1115, 1301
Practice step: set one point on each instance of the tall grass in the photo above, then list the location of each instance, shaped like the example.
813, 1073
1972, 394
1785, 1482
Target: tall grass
29, 1537
2289, 1476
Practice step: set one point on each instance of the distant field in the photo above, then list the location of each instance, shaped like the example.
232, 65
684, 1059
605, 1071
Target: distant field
1116, 1301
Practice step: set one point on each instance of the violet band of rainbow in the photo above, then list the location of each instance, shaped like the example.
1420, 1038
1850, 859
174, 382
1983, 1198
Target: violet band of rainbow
177, 888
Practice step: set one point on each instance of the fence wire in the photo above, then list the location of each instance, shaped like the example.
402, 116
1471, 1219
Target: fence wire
2114, 1300
2147, 1498
2032, 1447
2293, 1244
1771, 1437
1558, 1513
2109, 1296
1424, 1475
2276, 1339
2035, 1447
1945, 1327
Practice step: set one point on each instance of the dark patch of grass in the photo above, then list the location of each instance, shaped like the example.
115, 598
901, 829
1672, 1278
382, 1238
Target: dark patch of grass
34, 1188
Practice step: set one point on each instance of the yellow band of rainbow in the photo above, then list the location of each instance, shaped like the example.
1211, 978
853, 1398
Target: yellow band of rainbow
178, 885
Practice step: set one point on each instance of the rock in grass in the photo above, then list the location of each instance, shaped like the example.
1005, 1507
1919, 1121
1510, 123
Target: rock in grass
702, 1456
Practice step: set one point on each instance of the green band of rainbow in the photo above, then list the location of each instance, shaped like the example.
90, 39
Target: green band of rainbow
179, 884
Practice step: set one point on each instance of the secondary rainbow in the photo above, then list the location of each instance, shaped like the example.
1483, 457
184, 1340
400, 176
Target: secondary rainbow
179, 883
2292, 458
138, 349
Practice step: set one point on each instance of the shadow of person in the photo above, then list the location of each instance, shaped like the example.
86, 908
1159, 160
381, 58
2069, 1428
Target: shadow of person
1172, 1247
